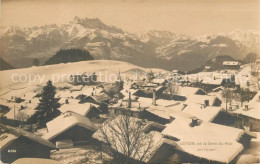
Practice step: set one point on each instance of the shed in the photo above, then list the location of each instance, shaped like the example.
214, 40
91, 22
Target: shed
70, 126
17, 143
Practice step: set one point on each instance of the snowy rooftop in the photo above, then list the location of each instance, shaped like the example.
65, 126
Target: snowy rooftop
6, 139
14, 133
231, 63
81, 109
200, 99
66, 121
254, 108
199, 111
191, 139
186, 91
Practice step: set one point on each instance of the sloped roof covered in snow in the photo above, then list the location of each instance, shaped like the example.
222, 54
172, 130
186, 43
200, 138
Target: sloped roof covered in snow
253, 108
160, 81
6, 139
231, 63
82, 109
186, 91
14, 133
65, 121
200, 99
221, 140
101, 97
206, 114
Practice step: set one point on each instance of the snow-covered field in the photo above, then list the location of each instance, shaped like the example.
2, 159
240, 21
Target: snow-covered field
105, 69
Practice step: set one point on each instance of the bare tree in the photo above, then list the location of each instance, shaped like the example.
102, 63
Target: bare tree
173, 88
228, 95
126, 140
22, 117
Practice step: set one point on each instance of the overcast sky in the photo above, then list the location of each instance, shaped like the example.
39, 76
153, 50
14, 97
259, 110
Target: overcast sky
192, 17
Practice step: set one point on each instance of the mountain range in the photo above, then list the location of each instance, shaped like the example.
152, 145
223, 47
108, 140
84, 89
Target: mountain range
161, 49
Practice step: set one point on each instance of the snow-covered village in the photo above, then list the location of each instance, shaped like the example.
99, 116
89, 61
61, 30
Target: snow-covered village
129, 82
143, 116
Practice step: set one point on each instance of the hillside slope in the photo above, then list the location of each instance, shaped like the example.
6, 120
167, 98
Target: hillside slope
4, 65
61, 72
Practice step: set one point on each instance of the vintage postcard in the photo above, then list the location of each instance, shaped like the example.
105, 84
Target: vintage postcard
129, 81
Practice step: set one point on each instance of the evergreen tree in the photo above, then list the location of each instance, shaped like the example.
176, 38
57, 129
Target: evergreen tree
47, 108
69, 55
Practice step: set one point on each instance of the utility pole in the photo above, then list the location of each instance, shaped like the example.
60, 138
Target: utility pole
14, 111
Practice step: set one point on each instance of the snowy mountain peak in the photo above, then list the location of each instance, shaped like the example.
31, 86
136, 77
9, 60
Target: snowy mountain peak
95, 23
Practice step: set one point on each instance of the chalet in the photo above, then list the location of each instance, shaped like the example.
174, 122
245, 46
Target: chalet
129, 92
175, 71
131, 108
212, 83
159, 82
69, 128
97, 99
218, 89
83, 79
231, 64
87, 109
186, 91
256, 69
137, 84
157, 114
202, 112
193, 137
249, 114
149, 92
17, 143
204, 100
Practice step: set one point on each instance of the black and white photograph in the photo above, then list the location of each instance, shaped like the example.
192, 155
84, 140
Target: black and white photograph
129, 81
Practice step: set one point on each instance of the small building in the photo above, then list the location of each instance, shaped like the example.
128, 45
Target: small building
203, 100
83, 79
249, 114
70, 127
97, 99
16, 143
231, 64
148, 92
157, 114
256, 69
87, 109
186, 91
202, 112
129, 107
159, 82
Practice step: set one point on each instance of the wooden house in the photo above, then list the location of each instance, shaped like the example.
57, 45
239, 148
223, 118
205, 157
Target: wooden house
87, 109
249, 114
231, 64
71, 127
17, 143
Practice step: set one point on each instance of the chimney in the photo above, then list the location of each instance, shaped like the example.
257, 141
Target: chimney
92, 94
129, 100
66, 101
246, 107
206, 103
154, 97
139, 107
194, 122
